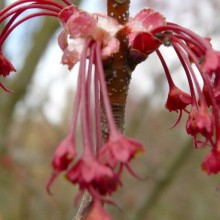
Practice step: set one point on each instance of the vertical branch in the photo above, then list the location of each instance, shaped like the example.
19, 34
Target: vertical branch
119, 9
117, 68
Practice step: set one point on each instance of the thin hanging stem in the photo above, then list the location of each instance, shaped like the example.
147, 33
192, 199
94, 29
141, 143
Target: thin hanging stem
97, 110
38, 14
166, 69
20, 2
104, 91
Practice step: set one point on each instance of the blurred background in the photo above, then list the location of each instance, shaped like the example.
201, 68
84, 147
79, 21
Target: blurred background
37, 116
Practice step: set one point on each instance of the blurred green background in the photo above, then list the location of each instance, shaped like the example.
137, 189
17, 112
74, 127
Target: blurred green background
175, 188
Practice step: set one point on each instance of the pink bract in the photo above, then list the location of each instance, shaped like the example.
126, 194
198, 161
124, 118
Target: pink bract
140, 27
67, 12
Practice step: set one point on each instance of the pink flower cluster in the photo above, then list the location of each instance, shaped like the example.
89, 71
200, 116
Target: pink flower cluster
202, 104
91, 38
99, 168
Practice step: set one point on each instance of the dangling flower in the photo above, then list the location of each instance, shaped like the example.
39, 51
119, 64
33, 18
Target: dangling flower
149, 30
119, 150
63, 157
200, 122
177, 99
5, 68
189, 47
211, 164
90, 174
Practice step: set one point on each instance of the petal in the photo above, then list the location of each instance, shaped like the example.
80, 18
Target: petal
177, 99
62, 40
67, 12
150, 19
70, 58
144, 42
81, 24
64, 155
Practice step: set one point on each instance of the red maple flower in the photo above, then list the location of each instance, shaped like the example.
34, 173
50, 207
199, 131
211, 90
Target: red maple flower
5, 68
90, 174
63, 157
177, 99
119, 149
211, 163
200, 122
